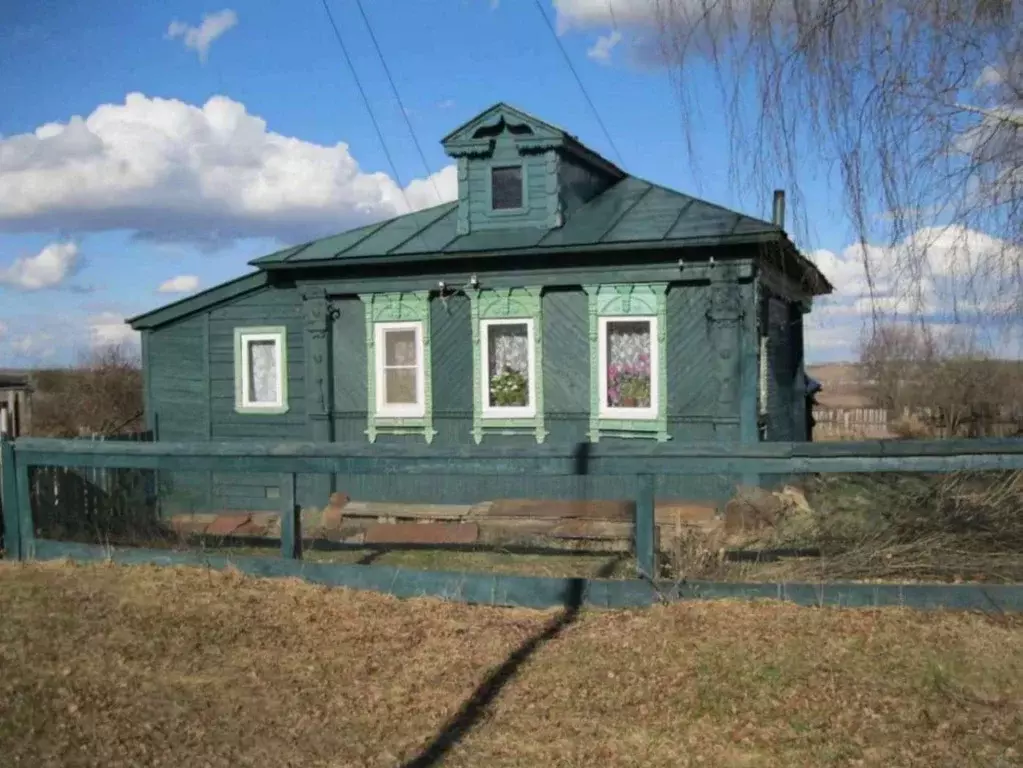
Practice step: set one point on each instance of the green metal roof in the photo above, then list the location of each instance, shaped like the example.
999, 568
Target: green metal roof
631, 213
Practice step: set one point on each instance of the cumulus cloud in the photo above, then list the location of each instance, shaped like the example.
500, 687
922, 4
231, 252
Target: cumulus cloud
936, 272
47, 269
173, 171
179, 284
200, 38
108, 329
601, 50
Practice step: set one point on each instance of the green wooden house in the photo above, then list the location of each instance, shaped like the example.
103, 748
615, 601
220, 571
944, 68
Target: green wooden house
557, 300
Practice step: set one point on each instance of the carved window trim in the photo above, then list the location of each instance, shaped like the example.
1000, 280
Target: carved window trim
624, 300
406, 308
243, 337
497, 305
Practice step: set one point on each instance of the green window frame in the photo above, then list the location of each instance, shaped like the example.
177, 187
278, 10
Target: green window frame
491, 307
408, 310
608, 303
243, 337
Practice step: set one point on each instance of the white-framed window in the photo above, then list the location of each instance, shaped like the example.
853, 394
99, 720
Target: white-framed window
508, 370
628, 367
400, 383
261, 370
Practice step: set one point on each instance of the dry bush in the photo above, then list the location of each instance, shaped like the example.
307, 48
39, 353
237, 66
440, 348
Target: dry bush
940, 384
101, 395
951, 527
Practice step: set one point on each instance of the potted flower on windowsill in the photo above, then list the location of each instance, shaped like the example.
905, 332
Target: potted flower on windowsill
509, 389
629, 384
635, 392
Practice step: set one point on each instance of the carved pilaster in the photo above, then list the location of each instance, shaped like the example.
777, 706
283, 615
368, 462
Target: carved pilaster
725, 316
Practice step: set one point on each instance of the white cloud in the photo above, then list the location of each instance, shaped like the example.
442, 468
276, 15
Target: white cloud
108, 329
179, 284
937, 272
200, 38
169, 170
47, 269
601, 50
36, 346
3, 329
593, 13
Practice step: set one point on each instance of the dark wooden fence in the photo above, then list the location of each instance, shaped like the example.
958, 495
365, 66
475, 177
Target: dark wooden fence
636, 465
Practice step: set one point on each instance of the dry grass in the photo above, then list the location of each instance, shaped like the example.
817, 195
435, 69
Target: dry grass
114, 666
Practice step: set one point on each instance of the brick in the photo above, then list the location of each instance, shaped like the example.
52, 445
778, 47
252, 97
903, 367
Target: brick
422, 533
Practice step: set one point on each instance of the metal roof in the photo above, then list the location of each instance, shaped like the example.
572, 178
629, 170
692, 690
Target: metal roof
631, 212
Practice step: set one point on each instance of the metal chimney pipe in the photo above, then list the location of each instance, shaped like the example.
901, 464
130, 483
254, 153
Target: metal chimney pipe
778, 216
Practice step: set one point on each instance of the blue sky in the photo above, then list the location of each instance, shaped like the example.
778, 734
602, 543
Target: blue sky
208, 135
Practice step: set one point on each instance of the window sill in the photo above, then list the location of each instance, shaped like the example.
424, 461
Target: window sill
399, 415
261, 410
511, 414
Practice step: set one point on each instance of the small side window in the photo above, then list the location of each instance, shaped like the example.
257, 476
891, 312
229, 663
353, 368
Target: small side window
506, 188
261, 370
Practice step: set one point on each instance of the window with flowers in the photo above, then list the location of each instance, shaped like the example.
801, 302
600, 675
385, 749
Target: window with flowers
507, 362
628, 365
627, 353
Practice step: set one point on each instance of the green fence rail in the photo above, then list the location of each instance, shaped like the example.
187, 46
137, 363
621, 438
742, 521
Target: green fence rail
636, 464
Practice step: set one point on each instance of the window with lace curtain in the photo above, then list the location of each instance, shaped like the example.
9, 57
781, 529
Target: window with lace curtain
261, 370
628, 367
399, 370
508, 368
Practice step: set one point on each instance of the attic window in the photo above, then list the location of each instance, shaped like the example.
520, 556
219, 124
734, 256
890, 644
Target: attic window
506, 187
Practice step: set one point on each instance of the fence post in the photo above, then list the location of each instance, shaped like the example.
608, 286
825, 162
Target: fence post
646, 527
291, 518
9, 500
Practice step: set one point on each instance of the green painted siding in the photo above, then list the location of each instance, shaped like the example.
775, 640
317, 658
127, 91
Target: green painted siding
535, 202
192, 391
266, 307
691, 399
179, 404
192, 395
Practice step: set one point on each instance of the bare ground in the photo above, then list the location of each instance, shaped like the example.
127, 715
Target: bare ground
142, 666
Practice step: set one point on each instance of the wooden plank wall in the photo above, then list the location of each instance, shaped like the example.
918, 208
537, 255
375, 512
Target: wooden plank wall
191, 381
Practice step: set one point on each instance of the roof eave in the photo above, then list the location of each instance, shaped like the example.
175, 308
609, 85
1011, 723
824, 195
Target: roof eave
433, 256
199, 301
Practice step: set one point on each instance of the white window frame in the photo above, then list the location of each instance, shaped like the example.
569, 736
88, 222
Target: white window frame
508, 411
244, 337
403, 411
608, 412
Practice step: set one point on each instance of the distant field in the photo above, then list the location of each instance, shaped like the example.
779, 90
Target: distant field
142, 666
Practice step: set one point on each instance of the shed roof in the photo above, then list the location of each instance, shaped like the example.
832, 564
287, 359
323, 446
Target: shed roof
10, 380
631, 213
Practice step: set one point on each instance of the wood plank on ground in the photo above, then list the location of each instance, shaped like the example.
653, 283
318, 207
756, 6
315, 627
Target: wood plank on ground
422, 533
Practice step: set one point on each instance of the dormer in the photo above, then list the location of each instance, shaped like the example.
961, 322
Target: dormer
516, 171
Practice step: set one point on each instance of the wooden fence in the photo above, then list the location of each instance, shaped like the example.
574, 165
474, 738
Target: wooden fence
636, 465
879, 424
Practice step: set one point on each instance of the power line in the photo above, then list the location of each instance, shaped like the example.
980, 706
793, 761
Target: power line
397, 97
578, 80
365, 100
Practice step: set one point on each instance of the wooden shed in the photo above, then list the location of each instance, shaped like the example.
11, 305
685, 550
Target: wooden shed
557, 300
15, 404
